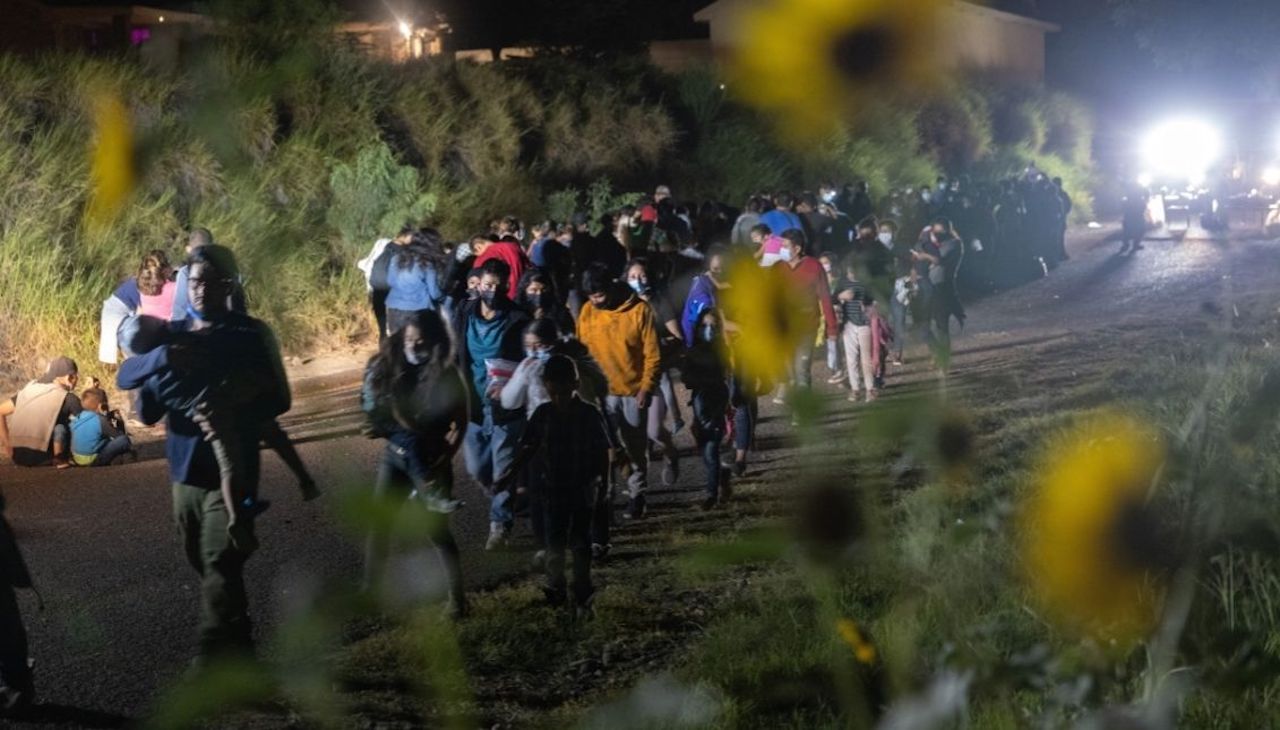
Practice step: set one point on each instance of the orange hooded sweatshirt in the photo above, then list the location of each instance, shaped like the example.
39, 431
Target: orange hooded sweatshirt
624, 341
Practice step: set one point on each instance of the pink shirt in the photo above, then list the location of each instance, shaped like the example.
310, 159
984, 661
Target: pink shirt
159, 306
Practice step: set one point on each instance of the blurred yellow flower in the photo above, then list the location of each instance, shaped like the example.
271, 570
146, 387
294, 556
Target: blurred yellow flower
773, 317
850, 634
1085, 528
810, 62
112, 173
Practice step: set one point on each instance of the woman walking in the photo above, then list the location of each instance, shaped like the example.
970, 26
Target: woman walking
414, 278
415, 397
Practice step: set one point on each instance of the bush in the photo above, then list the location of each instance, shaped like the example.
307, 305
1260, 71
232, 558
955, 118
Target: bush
373, 196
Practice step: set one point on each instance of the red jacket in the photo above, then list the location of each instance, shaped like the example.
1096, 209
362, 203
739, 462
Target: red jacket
812, 278
513, 255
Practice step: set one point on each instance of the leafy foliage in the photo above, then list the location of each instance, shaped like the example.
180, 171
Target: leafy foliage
375, 195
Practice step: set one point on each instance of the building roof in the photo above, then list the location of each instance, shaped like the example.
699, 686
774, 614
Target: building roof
1005, 10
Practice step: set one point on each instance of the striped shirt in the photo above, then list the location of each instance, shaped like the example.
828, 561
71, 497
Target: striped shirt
853, 311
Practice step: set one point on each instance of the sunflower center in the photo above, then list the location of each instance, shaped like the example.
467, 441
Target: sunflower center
864, 52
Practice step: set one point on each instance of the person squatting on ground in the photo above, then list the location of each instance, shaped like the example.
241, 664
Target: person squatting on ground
567, 444
98, 436
227, 361
490, 332
620, 331
35, 424
415, 396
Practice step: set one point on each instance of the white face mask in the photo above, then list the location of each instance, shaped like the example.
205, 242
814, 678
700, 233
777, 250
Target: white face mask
784, 254
826, 268
885, 237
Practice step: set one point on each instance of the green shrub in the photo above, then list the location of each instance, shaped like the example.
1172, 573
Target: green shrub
375, 196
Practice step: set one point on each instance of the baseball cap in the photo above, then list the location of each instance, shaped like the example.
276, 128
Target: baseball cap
60, 367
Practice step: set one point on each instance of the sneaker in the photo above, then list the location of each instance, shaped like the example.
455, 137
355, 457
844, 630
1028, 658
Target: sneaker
435, 502
585, 609
779, 400
872, 395
636, 507
60, 462
600, 551
497, 537
539, 560
456, 609
555, 596
838, 378
897, 360
671, 471
855, 396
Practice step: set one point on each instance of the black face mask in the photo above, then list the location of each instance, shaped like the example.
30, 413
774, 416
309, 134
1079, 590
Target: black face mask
535, 300
488, 297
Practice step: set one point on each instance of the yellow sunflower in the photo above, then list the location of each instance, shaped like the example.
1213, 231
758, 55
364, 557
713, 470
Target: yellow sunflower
863, 650
810, 62
112, 171
1086, 532
773, 316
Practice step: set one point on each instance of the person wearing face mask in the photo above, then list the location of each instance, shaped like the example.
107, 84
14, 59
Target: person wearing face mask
670, 338
538, 297
707, 377
835, 354
415, 397
807, 275
704, 293
526, 390
507, 250
903, 285
620, 331
489, 331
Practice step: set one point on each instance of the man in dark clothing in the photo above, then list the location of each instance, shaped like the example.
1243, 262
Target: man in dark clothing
858, 204
225, 347
17, 685
1065, 203
490, 340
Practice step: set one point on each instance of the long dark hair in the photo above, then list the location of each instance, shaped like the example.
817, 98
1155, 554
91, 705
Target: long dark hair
535, 275
425, 248
391, 371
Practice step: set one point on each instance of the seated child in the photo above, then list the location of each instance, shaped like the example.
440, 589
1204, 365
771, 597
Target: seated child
98, 435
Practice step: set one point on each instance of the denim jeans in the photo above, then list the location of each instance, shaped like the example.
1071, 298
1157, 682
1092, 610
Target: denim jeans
115, 448
746, 413
488, 449
399, 473
898, 317
802, 365
709, 406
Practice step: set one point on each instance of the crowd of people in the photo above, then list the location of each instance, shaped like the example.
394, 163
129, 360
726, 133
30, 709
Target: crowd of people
561, 358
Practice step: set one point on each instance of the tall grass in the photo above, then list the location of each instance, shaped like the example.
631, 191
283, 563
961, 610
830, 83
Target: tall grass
297, 163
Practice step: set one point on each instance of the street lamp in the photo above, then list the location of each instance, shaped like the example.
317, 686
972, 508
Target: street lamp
406, 30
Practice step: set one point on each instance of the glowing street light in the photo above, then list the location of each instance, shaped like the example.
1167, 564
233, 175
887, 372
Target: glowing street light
406, 30
1145, 179
1271, 176
1182, 149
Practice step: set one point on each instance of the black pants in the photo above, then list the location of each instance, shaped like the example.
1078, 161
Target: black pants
399, 473
709, 408
567, 520
378, 301
14, 672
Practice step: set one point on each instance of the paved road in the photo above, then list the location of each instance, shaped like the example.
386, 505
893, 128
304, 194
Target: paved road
121, 602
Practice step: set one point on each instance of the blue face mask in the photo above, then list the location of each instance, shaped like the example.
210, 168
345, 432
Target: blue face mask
537, 352
637, 285
708, 333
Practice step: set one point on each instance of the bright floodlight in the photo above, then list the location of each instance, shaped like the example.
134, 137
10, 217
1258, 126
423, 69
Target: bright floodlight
1144, 179
1182, 149
405, 29
1271, 176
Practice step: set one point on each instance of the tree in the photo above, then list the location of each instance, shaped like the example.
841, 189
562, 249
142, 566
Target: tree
1212, 40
